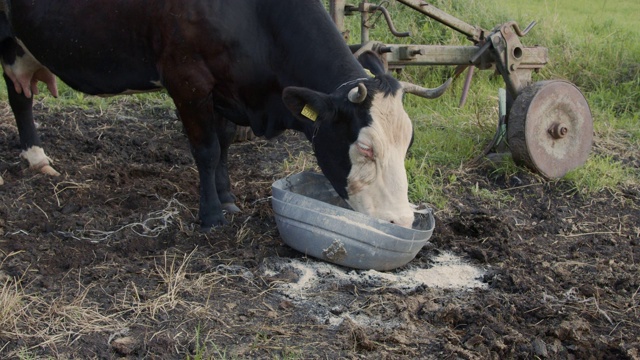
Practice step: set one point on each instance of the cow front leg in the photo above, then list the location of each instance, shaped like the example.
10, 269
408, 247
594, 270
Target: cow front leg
204, 128
30, 144
207, 157
223, 182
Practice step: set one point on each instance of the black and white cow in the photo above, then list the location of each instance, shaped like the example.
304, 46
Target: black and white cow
269, 64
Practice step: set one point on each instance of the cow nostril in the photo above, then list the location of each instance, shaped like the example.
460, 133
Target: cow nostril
404, 222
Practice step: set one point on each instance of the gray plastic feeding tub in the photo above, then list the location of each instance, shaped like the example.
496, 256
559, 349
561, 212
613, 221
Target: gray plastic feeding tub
314, 220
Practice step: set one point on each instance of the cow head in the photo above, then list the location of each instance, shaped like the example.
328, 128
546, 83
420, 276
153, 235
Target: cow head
360, 134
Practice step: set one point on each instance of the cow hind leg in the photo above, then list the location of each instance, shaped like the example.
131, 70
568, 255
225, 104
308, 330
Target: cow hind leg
30, 144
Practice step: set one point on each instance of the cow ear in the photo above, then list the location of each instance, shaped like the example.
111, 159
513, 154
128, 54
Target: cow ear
373, 62
305, 104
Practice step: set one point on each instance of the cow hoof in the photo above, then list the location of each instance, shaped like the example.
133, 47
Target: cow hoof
243, 133
230, 208
48, 170
205, 228
210, 228
45, 169
38, 160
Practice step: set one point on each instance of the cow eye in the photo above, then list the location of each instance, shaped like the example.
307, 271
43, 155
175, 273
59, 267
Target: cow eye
365, 150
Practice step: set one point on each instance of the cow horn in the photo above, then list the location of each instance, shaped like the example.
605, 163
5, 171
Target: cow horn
358, 94
426, 93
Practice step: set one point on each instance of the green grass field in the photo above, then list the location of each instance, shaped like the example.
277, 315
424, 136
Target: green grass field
580, 14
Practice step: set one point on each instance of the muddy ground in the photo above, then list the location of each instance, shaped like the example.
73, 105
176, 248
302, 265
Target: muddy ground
107, 262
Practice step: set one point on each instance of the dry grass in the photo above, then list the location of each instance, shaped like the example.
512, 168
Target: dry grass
51, 323
11, 305
58, 322
175, 283
298, 160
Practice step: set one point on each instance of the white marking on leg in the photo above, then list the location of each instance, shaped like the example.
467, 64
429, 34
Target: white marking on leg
39, 161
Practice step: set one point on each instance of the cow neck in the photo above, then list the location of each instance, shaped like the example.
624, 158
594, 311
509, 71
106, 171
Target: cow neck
328, 80
333, 81
321, 61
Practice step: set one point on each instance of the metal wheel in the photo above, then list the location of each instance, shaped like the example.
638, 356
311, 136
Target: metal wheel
550, 128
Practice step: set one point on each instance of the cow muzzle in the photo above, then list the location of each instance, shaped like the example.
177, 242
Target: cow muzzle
403, 217
386, 208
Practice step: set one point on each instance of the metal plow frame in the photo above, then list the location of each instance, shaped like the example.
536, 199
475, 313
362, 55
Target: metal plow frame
539, 146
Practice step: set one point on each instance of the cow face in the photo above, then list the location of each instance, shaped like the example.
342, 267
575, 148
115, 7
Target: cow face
360, 135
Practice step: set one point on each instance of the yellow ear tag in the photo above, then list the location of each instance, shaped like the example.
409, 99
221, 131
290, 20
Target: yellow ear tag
309, 113
369, 73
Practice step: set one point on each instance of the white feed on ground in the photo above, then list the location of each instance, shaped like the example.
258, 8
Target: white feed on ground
313, 278
450, 272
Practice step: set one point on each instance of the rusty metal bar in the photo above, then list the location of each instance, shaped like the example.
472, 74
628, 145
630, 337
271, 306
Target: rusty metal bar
501, 49
532, 57
389, 21
467, 86
365, 14
474, 33
336, 10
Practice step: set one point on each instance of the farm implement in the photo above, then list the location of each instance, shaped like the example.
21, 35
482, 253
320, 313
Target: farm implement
546, 125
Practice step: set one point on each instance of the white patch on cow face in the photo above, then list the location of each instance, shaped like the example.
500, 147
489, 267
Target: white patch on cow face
377, 184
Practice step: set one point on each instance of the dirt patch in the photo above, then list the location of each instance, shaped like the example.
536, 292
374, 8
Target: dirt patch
106, 261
